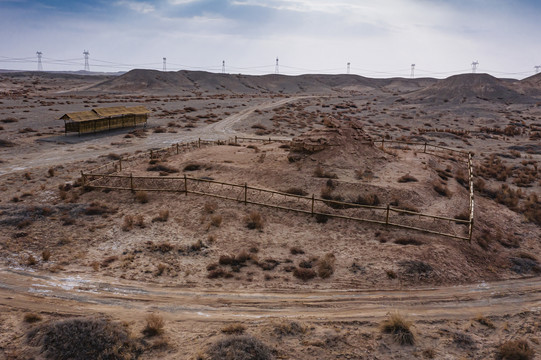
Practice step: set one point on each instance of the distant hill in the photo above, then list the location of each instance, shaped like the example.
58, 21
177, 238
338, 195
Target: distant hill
470, 88
531, 85
137, 81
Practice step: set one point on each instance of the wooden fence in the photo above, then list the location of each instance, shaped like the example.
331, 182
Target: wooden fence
107, 177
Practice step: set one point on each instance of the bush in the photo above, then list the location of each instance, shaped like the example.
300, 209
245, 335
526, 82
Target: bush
296, 191
31, 318
141, 197
325, 266
304, 274
254, 221
320, 173
399, 328
216, 220
84, 338
441, 189
192, 167
407, 178
288, 328
163, 216
408, 241
515, 350
235, 328
97, 208
295, 250
154, 325
128, 223
239, 347
46, 255
162, 168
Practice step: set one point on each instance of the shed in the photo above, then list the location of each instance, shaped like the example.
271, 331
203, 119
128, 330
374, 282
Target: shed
100, 119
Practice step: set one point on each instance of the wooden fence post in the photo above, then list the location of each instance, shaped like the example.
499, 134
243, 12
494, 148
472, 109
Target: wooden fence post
120, 164
185, 185
131, 182
245, 193
151, 155
382, 143
387, 216
199, 142
425, 148
235, 139
177, 148
83, 177
313, 200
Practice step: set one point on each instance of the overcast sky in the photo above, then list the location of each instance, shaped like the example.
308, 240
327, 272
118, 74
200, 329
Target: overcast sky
380, 38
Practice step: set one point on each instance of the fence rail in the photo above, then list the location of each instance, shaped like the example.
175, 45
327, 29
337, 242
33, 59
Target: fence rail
107, 177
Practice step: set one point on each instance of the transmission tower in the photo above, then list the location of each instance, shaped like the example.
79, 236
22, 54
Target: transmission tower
412, 74
164, 64
87, 66
276, 69
349, 67
537, 67
223, 66
40, 66
474, 66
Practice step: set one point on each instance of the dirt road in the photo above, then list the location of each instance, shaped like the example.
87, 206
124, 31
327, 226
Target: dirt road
83, 294
52, 154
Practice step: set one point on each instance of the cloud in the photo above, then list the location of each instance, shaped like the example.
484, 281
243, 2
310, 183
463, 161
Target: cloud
140, 7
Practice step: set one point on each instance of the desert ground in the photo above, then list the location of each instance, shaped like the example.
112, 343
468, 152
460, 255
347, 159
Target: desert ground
175, 275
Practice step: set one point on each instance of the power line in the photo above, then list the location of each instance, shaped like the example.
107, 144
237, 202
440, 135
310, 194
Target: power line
276, 69
164, 64
412, 74
474, 66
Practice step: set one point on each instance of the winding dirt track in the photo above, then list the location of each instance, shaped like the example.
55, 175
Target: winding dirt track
77, 295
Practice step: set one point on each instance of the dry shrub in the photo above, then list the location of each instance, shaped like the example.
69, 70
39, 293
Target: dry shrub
288, 328
304, 274
254, 221
31, 260
97, 208
408, 241
46, 255
441, 189
154, 325
485, 321
84, 338
32, 318
462, 178
140, 221
210, 207
322, 218
50, 172
239, 347
162, 168
161, 269
128, 223
163, 216
370, 199
399, 328
320, 173
296, 191
325, 266
216, 220
415, 267
109, 260
192, 167
407, 178
141, 197
24, 223
295, 250
236, 328
515, 350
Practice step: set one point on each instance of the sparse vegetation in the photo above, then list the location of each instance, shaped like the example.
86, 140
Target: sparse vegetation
515, 350
141, 197
399, 328
235, 328
254, 220
237, 347
32, 318
84, 338
163, 216
325, 266
407, 178
154, 325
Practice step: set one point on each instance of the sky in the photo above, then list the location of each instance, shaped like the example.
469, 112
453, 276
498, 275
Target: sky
379, 38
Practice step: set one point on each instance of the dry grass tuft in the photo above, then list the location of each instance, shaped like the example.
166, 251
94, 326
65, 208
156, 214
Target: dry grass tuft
236, 328
254, 221
400, 328
289, 328
46, 255
515, 350
216, 220
210, 207
304, 274
32, 318
407, 178
325, 266
154, 325
163, 216
141, 197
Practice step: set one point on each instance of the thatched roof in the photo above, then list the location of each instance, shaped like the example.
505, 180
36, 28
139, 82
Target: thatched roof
101, 113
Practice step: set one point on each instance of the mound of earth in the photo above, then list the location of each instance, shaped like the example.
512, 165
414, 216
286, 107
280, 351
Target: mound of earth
337, 141
531, 85
470, 88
